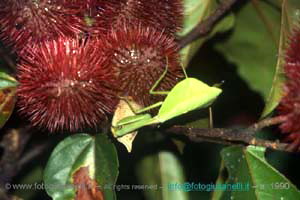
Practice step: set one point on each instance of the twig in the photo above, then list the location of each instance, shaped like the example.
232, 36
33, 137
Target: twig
204, 27
227, 136
267, 122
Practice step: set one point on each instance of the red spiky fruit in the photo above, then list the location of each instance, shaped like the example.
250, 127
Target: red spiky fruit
289, 106
164, 14
101, 16
66, 84
25, 22
139, 55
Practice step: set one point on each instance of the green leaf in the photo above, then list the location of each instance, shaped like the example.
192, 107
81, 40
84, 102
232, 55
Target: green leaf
289, 19
8, 86
253, 44
253, 176
159, 170
78, 151
196, 11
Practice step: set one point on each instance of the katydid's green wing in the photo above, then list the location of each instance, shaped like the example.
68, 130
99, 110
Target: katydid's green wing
187, 95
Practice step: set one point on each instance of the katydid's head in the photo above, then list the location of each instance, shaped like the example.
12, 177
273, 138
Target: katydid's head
139, 56
66, 84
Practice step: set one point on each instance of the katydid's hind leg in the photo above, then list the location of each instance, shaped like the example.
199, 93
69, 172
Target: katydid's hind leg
133, 119
158, 81
136, 112
127, 101
161, 77
150, 107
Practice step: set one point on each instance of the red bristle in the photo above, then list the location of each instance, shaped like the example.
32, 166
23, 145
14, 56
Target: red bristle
25, 22
139, 55
292, 56
101, 15
290, 103
294, 140
66, 84
290, 106
164, 15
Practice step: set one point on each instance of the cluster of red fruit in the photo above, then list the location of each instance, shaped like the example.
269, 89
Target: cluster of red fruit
79, 56
290, 104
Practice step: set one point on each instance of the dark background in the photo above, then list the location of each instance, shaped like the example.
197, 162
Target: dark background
238, 107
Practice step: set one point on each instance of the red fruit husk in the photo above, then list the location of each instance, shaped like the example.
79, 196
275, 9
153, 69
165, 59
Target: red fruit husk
292, 56
164, 15
290, 103
26, 22
290, 107
66, 84
101, 15
139, 55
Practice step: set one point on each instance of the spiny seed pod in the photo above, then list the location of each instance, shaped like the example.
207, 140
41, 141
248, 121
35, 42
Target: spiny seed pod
139, 55
101, 15
289, 106
292, 56
66, 84
25, 22
164, 14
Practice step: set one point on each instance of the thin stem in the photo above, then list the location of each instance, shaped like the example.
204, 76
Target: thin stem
227, 136
205, 27
267, 122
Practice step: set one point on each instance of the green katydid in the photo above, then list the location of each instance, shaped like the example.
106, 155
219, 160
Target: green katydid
187, 95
